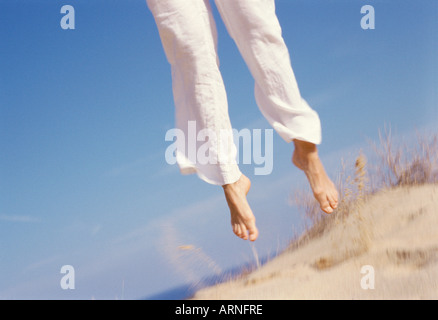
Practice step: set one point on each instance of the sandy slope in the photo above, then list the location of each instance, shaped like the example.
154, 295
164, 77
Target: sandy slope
396, 233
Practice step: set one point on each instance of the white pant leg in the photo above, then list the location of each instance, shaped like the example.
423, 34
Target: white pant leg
254, 27
188, 35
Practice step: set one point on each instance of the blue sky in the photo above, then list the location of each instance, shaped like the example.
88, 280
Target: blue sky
84, 112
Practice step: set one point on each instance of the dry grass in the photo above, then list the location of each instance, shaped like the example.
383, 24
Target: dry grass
394, 164
353, 189
397, 164
404, 164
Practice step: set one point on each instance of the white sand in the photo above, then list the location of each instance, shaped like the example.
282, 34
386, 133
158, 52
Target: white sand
396, 232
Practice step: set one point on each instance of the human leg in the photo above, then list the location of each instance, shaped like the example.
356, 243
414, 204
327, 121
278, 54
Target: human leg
188, 35
256, 30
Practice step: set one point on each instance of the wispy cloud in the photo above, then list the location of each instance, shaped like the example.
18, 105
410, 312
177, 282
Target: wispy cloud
96, 229
132, 168
331, 94
18, 218
137, 166
41, 263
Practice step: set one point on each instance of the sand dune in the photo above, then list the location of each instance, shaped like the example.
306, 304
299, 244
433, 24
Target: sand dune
395, 233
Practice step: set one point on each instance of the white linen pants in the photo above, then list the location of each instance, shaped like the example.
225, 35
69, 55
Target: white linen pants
188, 34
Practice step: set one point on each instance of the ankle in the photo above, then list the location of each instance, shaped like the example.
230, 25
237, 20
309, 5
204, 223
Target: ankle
233, 185
305, 150
305, 147
229, 186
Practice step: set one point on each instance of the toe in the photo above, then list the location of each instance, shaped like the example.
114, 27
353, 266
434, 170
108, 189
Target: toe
327, 210
335, 200
239, 231
326, 207
253, 233
244, 232
323, 202
236, 229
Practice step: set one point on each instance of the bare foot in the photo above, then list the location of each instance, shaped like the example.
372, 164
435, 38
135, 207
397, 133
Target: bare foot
306, 158
242, 218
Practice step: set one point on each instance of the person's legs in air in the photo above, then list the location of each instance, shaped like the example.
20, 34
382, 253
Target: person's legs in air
188, 34
254, 26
